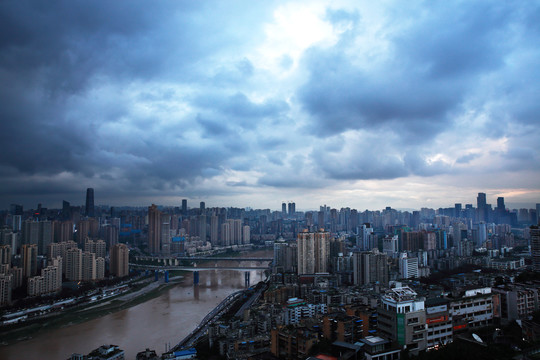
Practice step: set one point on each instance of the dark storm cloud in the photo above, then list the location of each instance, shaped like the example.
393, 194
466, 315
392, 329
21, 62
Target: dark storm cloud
55, 61
432, 67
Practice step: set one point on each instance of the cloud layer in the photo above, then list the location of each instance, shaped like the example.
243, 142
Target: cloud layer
249, 105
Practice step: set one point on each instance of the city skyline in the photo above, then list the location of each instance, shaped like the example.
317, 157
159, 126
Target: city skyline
345, 103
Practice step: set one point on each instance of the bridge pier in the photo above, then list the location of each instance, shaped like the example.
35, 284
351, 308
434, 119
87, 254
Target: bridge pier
246, 278
195, 278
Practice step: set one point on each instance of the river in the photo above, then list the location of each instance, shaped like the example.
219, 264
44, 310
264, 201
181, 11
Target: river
153, 324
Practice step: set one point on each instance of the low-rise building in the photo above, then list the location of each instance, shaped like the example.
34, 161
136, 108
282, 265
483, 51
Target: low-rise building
439, 322
473, 309
402, 318
376, 348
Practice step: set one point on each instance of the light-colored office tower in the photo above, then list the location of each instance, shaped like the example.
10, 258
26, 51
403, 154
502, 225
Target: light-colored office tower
119, 260
390, 245
5, 289
88, 266
154, 229
365, 237
214, 222
100, 268
408, 267
5, 254
74, 264
225, 234
313, 252
29, 255
246, 234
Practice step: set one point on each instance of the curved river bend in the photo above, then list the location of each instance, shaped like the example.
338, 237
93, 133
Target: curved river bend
164, 320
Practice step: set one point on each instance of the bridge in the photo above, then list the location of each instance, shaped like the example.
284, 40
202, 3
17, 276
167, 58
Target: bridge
176, 261
200, 258
195, 268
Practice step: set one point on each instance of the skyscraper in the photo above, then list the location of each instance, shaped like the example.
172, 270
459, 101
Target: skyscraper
500, 204
90, 202
202, 206
481, 207
184, 206
154, 229
313, 252
283, 209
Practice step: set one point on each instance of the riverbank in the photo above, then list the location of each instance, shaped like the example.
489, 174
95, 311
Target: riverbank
24, 331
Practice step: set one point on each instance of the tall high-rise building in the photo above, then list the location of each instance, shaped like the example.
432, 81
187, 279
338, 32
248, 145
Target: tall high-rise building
166, 237
119, 260
500, 204
5, 254
98, 247
154, 229
29, 255
214, 227
5, 289
184, 207
88, 228
66, 210
320, 219
283, 209
313, 252
292, 208
481, 207
88, 266
537, 214
74, 264
246, 234
202, 206
90, 202
535, 246
457, 210
225, 234
202, 227
370, 267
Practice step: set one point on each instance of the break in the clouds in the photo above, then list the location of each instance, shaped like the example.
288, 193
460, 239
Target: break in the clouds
251, 104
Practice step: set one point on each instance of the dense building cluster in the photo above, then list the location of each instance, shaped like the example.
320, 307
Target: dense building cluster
342, 276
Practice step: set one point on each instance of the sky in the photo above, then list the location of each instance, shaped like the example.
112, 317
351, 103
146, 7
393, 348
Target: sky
364, 104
